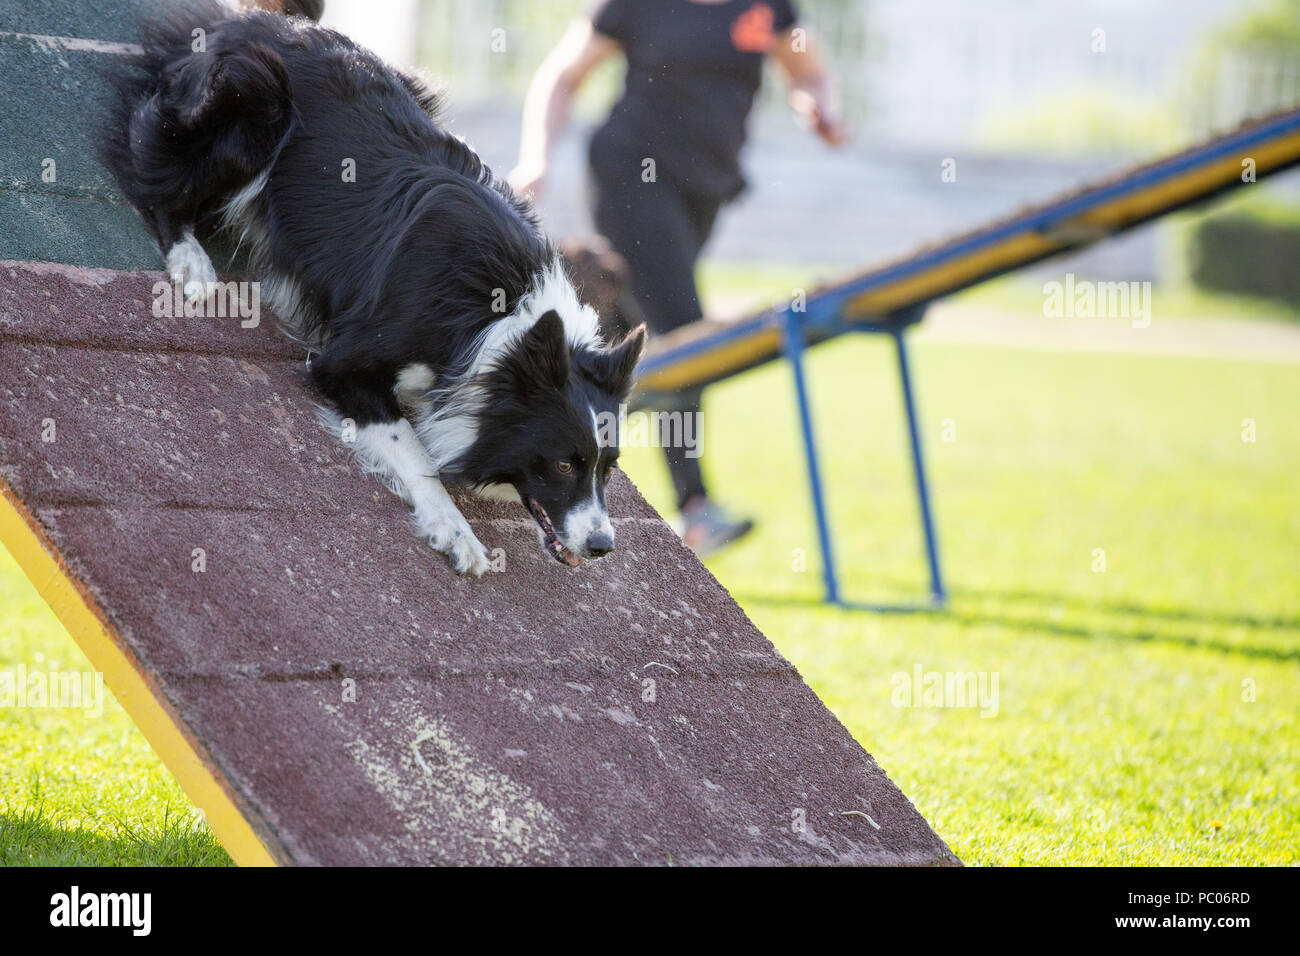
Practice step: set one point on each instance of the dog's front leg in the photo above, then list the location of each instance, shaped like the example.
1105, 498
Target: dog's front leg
189, 264
392, 450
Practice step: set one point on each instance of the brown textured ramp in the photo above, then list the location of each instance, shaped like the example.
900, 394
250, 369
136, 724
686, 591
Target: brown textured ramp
329, 691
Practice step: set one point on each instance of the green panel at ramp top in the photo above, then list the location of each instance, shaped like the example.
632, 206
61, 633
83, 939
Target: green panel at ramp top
112, 20
57, 202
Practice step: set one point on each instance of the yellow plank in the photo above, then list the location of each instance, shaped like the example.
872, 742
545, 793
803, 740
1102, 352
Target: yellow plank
735, 354
23, 536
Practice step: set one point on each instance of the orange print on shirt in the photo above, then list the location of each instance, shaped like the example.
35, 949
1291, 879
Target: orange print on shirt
752, 31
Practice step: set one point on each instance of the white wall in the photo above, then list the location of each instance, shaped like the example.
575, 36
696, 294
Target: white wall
388, 27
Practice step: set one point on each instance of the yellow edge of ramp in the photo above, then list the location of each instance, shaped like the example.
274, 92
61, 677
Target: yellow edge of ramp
23, 536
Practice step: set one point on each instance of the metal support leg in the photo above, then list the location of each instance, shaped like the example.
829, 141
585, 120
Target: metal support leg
792, 336
937, 594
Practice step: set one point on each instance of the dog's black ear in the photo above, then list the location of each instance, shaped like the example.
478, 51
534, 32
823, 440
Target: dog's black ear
545, 352
614, 369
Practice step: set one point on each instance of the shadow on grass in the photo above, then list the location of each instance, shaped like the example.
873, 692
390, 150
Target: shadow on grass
1142, 617
1137, 610
33, 836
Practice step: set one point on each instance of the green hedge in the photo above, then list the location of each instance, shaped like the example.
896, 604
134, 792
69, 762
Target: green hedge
1248, 256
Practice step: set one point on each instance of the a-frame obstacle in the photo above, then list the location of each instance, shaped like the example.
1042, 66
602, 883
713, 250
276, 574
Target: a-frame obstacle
322, 686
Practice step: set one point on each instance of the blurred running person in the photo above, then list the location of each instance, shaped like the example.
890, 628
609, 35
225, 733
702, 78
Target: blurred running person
693, 70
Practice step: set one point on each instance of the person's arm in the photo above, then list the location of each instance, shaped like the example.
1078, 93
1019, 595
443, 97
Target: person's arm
811, 94
546, 107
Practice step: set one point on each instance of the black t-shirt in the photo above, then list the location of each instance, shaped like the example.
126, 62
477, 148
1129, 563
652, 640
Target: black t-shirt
693, 70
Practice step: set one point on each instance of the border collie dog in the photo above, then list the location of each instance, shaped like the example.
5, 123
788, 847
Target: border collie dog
450, 340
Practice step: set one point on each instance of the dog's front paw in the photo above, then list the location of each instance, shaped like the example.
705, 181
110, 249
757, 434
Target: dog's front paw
468, 556
451, 535
197, 292
188, 264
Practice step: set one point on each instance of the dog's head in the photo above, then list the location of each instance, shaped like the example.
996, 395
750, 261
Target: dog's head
548, 429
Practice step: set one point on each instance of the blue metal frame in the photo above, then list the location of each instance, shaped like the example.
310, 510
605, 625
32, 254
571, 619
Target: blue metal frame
937, 594
793, 345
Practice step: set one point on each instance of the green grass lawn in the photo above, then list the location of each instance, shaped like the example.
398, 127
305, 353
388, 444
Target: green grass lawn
76, 789
1121, 733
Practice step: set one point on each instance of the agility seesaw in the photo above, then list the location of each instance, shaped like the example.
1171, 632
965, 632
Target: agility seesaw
889, 298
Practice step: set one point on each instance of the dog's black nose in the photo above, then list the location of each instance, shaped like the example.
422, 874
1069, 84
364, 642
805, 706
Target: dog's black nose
600, 544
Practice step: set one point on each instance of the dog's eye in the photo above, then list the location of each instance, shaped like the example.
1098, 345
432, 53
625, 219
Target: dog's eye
609, 471
564, 467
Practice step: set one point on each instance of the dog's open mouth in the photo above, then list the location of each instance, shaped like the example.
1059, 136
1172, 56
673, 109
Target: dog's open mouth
550, 540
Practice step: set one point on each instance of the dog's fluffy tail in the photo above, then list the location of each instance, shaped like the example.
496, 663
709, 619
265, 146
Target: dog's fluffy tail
198, 112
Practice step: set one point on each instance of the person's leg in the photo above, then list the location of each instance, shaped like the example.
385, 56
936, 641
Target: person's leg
654, 229
659, 232
706, 526
688, 478
704, 213
683, 465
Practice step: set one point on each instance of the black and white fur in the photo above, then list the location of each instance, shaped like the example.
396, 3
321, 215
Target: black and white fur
448, 335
